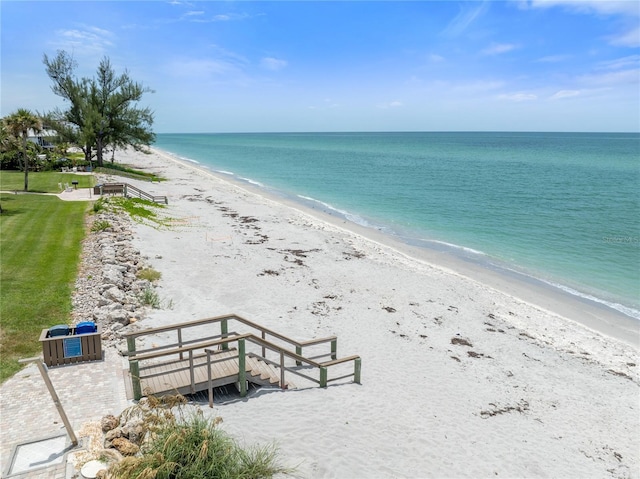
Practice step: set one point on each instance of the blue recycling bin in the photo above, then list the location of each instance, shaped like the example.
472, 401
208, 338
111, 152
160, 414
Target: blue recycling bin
86, 327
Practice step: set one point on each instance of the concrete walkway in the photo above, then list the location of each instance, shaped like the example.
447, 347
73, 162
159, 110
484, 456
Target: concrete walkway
79, 194
87, 392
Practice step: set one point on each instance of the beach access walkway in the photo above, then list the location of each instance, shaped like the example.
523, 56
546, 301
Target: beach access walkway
201, 360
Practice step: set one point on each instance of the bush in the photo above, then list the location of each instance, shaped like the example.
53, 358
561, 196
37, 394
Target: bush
149, 297
194, 447
149, 274
100, 225
98, 205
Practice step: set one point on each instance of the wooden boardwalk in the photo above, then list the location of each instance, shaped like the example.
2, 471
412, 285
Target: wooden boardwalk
208, 359
177, 377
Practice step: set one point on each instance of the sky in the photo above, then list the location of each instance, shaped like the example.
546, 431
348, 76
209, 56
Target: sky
290, 66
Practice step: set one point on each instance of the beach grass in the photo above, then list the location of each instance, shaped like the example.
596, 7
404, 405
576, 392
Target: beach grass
193, 447
40, 245
42, 181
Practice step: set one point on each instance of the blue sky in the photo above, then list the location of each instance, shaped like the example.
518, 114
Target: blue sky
241, 66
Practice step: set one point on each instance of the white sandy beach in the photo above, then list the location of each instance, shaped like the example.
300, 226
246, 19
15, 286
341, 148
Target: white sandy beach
537, 394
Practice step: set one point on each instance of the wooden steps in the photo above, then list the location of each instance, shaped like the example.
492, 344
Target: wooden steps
171, 377
263, 373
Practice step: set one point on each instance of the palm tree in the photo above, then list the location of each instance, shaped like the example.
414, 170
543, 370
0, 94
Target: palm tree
19, 123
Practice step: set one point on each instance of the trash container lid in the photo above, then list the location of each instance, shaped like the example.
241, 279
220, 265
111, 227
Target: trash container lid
86, 327
59, 330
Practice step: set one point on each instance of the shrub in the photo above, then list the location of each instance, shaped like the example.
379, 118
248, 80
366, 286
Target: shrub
149, 274
98, 205
100, 225
190, 447
149, 297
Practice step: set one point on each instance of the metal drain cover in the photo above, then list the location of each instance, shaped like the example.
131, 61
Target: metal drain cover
37, 454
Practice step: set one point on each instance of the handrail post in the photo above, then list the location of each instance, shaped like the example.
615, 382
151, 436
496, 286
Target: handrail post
264, 350
242, 369
209, 379
334, 348
224, 331
192, 374
282, 383
131, 345
44, 372
180, 342
323, 377
134, 371
299, 353
357, 368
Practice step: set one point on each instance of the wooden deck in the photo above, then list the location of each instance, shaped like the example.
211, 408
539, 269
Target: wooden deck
270, 358
173, 377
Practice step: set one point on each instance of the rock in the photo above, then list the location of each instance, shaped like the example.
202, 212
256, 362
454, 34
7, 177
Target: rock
111, 435
109, 422
114, 294
107, 288
134, 430
125, 447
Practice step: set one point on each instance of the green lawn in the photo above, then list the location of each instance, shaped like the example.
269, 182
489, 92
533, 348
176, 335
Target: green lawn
42, 181
40, 249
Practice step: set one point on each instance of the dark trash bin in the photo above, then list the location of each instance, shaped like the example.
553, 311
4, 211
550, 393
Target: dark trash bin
59, 330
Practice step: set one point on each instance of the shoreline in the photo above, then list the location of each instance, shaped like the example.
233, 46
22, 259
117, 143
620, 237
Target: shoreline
459, 379
592, 314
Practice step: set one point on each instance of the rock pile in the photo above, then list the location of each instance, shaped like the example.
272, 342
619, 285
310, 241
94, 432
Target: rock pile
108, 290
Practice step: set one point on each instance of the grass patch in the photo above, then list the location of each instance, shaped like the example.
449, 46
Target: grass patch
128, 172
40, 240
140, 210
42, 181
149, 274
149, 297
192, 446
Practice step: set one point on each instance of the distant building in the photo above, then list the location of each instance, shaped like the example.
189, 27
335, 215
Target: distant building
42, 137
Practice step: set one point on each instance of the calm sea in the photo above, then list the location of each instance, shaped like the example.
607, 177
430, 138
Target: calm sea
560, 207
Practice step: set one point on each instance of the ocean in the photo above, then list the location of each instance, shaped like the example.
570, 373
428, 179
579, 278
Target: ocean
562, 208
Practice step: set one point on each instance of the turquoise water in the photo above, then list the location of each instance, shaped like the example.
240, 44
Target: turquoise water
560, 207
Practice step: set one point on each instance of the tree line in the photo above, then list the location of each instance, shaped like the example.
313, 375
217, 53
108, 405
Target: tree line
100, 112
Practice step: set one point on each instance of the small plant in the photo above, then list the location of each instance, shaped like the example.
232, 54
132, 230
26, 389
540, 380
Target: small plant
149, 274
193, 446
100, 225
98, 206
149, 297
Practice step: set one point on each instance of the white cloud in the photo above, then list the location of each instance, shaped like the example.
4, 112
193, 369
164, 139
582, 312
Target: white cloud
603, 7
85, 41
434, 58
499, 48
631, 61
465, 18
620, 77
553, 59
565, 94
194, 13
518, 97
630, 38
228, 17
273, 64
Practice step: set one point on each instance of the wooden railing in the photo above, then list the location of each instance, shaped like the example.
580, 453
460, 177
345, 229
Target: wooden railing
127, 190
205, 344
130, 190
